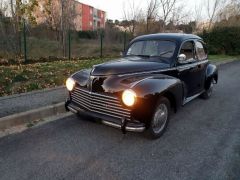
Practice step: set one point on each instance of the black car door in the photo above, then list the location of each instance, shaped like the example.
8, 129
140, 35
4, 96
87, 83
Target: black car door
203, 62
190, 70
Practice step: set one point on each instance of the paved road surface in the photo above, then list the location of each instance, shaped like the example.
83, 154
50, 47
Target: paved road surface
202, 142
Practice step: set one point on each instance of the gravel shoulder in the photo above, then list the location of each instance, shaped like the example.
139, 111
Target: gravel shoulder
24, 102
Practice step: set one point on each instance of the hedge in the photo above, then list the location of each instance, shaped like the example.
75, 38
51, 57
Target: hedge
223, 40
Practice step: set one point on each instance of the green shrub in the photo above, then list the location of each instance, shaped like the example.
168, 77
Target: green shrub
223, 40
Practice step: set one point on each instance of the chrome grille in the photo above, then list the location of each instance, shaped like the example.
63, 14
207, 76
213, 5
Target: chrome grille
99, 103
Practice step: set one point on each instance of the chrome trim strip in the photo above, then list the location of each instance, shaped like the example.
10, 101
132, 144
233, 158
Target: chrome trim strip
102, 106
96, 94
92, 107
97, 97
189, 66
75, 108
99, 102
72, 110
128, 128
135, 129
187, 100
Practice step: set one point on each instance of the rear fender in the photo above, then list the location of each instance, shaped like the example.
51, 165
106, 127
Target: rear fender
211, 73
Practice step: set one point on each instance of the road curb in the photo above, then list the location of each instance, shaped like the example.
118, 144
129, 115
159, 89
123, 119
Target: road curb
30, 116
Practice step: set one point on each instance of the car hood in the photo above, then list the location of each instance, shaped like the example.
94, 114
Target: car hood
128, 65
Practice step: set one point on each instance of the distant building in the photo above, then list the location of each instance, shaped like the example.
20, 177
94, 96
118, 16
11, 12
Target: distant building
83, 16
92, 18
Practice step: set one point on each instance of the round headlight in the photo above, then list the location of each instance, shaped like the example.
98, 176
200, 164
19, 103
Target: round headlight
129, 97
70, 83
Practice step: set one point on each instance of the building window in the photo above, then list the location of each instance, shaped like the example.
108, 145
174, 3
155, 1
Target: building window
90, 23
91, 11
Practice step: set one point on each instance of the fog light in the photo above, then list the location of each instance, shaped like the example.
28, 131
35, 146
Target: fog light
70, 84
129, 97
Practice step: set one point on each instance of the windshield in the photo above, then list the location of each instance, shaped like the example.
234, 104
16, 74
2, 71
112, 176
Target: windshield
151, 48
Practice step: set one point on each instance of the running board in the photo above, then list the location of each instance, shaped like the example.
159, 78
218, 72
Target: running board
187, 100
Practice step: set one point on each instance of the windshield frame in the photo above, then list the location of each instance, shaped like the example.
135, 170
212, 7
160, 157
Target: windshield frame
148, 56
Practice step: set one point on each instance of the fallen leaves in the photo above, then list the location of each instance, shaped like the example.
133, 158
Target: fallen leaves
23, 78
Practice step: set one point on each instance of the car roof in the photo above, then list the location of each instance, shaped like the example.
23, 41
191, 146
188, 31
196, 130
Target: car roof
167, 36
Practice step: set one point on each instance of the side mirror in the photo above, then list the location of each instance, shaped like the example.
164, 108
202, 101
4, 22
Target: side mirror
182, 58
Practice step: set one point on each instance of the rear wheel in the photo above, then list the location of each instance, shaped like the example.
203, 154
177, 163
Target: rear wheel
208, 92
159, 119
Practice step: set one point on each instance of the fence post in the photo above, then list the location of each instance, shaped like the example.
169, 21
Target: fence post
125, 40
69, 44
24, 41
101, 37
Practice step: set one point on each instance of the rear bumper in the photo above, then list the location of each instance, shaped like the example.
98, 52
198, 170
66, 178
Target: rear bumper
122, 124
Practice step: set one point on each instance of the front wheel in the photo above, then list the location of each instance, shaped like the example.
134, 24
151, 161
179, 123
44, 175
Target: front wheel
208, 92
159, 119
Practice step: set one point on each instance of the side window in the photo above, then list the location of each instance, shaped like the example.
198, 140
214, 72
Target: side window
201, 54
188, 50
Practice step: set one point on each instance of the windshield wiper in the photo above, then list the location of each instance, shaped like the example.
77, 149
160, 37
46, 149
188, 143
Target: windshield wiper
163, 53
140, 55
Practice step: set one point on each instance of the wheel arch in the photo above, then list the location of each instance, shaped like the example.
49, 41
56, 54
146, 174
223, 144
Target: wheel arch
211, 73
150, 90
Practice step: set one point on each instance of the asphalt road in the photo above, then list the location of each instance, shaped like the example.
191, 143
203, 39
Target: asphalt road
202, 142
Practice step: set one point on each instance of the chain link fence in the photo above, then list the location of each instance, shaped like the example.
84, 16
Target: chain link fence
35, 43
35, 57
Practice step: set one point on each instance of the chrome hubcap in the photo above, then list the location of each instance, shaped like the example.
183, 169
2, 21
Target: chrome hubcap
160, 118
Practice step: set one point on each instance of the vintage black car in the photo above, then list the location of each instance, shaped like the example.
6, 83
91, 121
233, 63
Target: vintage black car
158, 73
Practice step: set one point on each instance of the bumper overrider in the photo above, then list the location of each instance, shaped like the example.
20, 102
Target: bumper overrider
104, 107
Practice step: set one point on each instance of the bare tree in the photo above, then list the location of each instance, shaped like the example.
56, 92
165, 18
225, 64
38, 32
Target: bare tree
198, 12
180, 15
212, 7
151, 14
229, 14
167, 8
132, 14
68, 15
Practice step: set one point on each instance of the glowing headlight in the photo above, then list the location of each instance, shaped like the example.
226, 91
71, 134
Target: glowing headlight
129, 97
70, 83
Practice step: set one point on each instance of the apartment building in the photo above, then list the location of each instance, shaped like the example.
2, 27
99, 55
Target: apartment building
83, 17
92, 18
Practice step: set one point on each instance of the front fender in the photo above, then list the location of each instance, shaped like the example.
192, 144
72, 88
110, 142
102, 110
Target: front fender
153, 87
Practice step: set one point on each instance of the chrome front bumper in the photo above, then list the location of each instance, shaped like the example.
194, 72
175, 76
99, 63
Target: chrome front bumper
122, 124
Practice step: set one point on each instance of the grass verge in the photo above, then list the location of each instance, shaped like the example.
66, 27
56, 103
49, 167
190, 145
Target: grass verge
221, 57
16, 79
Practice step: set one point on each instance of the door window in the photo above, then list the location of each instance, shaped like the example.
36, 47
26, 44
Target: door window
188, 49
201, 54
